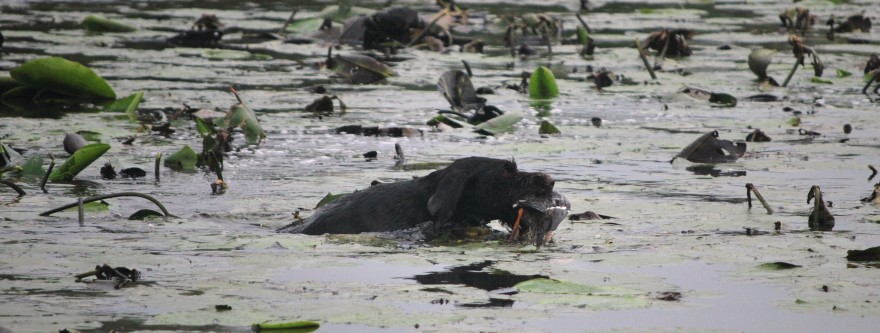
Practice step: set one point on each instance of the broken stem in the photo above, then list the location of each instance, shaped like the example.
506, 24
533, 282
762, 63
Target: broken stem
48, 172
425, 31
232, 90
287, 23
751, 188
790, 74
108, 196
12, 185
873, 172
85, 275
645, 59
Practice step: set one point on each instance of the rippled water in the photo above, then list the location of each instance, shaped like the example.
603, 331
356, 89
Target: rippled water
674, 230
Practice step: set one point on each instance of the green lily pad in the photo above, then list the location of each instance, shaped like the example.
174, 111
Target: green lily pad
548, 128
542, 84
78, 161
843, 73
583, 36
221, 54
93, 207
63, 76
100, 24
128, 105
501, 124
184, 159
242, 116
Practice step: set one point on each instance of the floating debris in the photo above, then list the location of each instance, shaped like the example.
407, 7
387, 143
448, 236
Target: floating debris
820, 218
709, 149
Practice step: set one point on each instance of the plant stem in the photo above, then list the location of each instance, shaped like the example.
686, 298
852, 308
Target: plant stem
645, 59
287, 23
156, 167
425, 31
48, 172
583, 23
754, 189
12, 185
790, 74
108, 196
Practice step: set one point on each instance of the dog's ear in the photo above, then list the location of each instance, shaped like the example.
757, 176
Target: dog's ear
508, 169
444, 201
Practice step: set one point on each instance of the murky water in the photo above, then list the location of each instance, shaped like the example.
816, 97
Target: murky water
675, 230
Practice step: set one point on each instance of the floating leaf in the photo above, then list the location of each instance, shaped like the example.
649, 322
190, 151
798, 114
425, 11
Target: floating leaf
240, 115
778, 266
441, 119
551, 286
359, 69
759, 60
870, 254
293, 325
501, 124
843, 73
223, 54
794, 121
100, 24
722, 98
821, 80
184, 159
542, 84
457, 88
709, 149
548, 128
63, 76
78, 161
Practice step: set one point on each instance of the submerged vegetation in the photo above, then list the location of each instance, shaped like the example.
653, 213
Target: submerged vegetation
97, 93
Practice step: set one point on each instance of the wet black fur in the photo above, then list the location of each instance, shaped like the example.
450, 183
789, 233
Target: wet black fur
471, 191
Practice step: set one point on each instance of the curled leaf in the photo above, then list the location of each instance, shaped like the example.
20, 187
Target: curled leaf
759, 60
63, 76
81, 159
359, 69
498, 125
240, 115
184, 159
457, 88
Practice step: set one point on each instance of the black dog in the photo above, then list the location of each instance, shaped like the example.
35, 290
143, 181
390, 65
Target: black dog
471, 191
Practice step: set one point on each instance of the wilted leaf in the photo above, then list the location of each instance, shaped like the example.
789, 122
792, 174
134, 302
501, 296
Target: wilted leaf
184, 159
63, 76
709, 149
542, 84
100, 24
548, 128
240, 115
457, 88
128, 105
78, 161
501, 124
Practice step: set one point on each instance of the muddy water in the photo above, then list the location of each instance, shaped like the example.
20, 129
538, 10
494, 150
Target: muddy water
675, 230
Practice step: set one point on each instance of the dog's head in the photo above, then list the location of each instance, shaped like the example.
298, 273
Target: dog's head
484, 189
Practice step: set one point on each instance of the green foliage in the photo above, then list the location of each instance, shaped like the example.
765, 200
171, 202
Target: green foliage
498, 125
63, 76
542, 84
242, 116
184, 159
81, 159
100, 24
548, 128
127, 105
